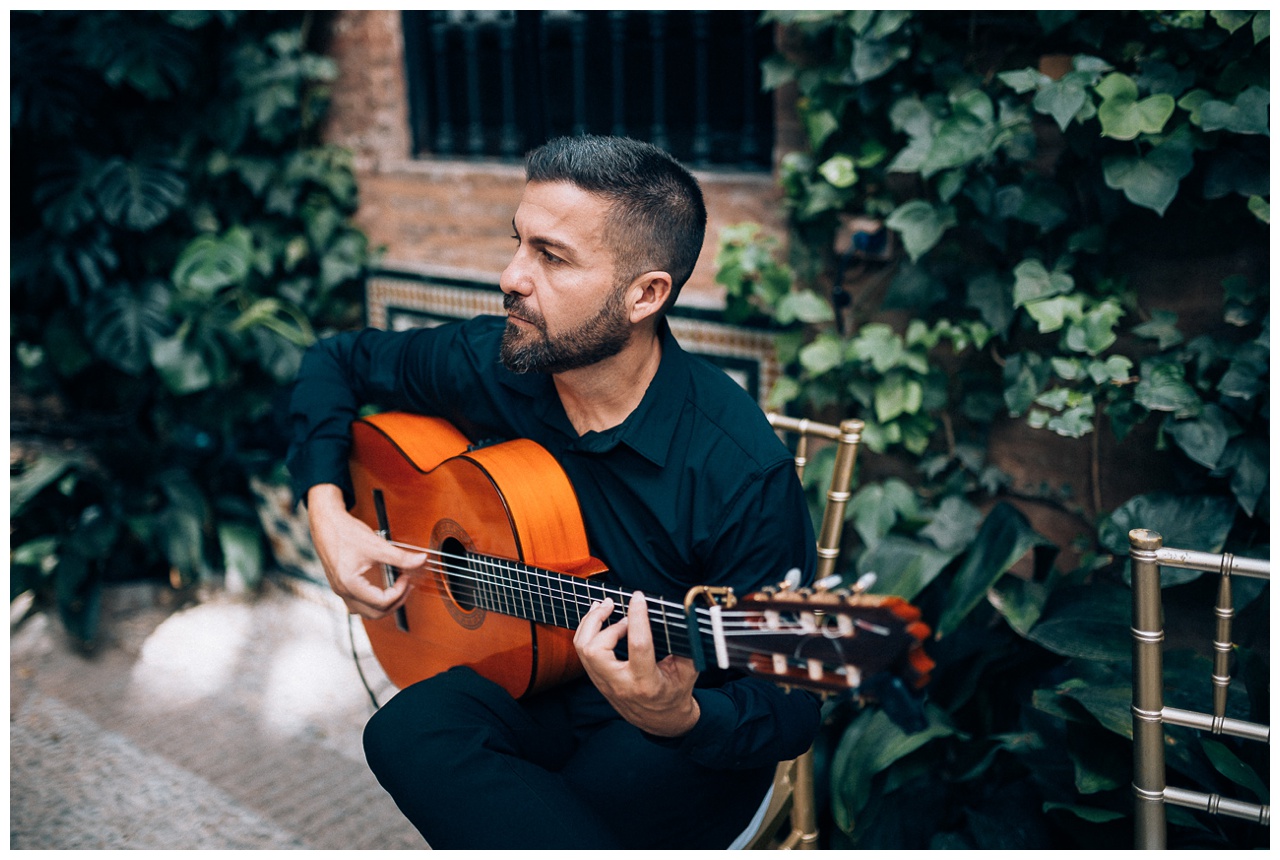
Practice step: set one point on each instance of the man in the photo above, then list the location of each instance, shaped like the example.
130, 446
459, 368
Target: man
680, 480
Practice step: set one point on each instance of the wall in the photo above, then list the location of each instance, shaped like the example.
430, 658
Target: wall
451, 217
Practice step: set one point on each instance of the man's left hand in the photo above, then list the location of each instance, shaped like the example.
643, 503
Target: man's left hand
653, 695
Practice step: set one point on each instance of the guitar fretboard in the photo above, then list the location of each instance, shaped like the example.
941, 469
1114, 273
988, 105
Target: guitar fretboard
547, 597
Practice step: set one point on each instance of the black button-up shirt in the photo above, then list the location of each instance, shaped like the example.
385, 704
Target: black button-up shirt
692, 488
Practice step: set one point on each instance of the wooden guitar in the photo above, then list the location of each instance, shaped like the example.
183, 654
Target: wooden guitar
510, 576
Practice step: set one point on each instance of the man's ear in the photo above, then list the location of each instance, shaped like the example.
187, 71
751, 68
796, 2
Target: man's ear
647, 295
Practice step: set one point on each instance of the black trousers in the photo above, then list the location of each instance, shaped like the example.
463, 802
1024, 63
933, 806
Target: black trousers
471, 767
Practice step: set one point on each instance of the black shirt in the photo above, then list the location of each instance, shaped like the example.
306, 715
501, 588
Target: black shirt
692, 488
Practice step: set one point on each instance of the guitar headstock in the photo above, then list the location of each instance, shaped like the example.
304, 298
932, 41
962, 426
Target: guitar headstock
832, 642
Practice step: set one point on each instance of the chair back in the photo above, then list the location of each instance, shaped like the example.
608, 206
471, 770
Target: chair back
792, 799
1150, 714
846, 437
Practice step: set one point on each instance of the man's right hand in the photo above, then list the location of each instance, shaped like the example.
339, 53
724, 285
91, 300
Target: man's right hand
353, 554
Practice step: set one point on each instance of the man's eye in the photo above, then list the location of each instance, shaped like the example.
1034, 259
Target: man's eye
551, 258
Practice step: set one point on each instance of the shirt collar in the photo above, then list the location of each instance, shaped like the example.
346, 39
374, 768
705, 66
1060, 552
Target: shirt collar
648, 430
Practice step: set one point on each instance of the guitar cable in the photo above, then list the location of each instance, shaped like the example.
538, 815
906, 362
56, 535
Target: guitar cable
355, 658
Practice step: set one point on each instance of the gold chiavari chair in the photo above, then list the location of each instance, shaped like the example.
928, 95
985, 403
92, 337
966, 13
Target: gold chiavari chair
791, 802
1150, 714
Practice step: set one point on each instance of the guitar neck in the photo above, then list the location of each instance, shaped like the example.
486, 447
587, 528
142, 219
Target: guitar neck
557, 599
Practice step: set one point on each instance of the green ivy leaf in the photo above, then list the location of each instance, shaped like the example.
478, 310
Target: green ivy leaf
920, 225
1261, 209
1163, 387
1203, 437
897, 394
839, 170
1248, 114
872, 58
824, 353
1162, 328
1095, 331
1064, 99
1123, 116
1249, 461
1052, 313
1152, 181
877, 507
1033, 281
878, 344
1004, 538
805, 306
181, 365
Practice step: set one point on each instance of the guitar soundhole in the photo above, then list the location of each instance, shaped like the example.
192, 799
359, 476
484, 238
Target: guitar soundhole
460, 578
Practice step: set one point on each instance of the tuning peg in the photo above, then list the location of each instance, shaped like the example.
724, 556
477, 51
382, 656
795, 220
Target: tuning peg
791, 580
864, 582
827, 582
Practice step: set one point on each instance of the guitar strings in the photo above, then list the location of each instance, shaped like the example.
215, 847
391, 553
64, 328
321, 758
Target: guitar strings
734, 622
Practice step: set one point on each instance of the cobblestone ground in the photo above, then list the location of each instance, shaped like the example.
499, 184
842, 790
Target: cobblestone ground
232, 723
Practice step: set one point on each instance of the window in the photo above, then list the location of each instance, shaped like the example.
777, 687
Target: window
497, 83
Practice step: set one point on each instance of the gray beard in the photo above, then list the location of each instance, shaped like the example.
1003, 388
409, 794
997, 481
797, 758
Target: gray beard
601, 337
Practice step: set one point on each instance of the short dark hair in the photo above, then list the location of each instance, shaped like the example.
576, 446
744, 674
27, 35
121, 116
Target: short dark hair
657, 219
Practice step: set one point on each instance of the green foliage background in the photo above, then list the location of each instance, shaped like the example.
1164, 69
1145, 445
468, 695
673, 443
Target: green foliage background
179, 233
999, 219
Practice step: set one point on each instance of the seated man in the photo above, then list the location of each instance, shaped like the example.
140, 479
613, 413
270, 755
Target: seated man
680, 480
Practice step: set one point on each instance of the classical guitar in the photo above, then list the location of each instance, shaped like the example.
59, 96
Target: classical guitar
510, 577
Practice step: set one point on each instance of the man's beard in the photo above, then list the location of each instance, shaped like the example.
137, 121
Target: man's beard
602, 336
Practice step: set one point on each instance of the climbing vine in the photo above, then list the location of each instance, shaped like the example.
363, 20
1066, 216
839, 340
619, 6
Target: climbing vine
1052, 219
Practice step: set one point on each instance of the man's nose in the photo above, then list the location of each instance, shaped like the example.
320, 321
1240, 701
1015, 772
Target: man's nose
515, 278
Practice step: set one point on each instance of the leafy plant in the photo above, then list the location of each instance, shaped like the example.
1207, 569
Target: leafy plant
179, 233
1002, 185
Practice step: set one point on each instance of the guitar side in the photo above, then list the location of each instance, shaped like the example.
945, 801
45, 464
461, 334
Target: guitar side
509, 500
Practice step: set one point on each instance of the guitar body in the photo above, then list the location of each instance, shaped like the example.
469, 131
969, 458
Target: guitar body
511, 501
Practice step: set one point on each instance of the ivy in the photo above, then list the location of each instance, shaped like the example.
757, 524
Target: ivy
972, 205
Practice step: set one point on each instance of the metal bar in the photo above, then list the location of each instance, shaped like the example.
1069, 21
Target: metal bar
1218, 725
509, 141
578, 39
439, 45
1225, 612
747, 145
658, 36
1190, 559
1148, 692
618, 37
701, 128
1216, 804
475, 128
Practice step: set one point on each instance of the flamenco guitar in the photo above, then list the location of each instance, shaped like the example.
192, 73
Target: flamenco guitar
510, 577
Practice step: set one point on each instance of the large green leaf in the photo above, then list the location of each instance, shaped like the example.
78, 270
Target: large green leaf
1090, 622
870, 744
212, 263
902, 566
1184, 521
1005, 537
1230, 766
139, 195
122, 325
1163, 387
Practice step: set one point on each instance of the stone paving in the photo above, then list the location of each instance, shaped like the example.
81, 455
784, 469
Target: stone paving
231, 723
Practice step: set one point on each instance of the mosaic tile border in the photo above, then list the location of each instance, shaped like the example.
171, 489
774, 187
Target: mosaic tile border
400, 300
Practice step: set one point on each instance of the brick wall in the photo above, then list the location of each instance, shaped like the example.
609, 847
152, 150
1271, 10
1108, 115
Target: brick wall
452, 217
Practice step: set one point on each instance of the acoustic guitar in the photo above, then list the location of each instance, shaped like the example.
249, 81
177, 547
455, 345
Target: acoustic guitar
510, 576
